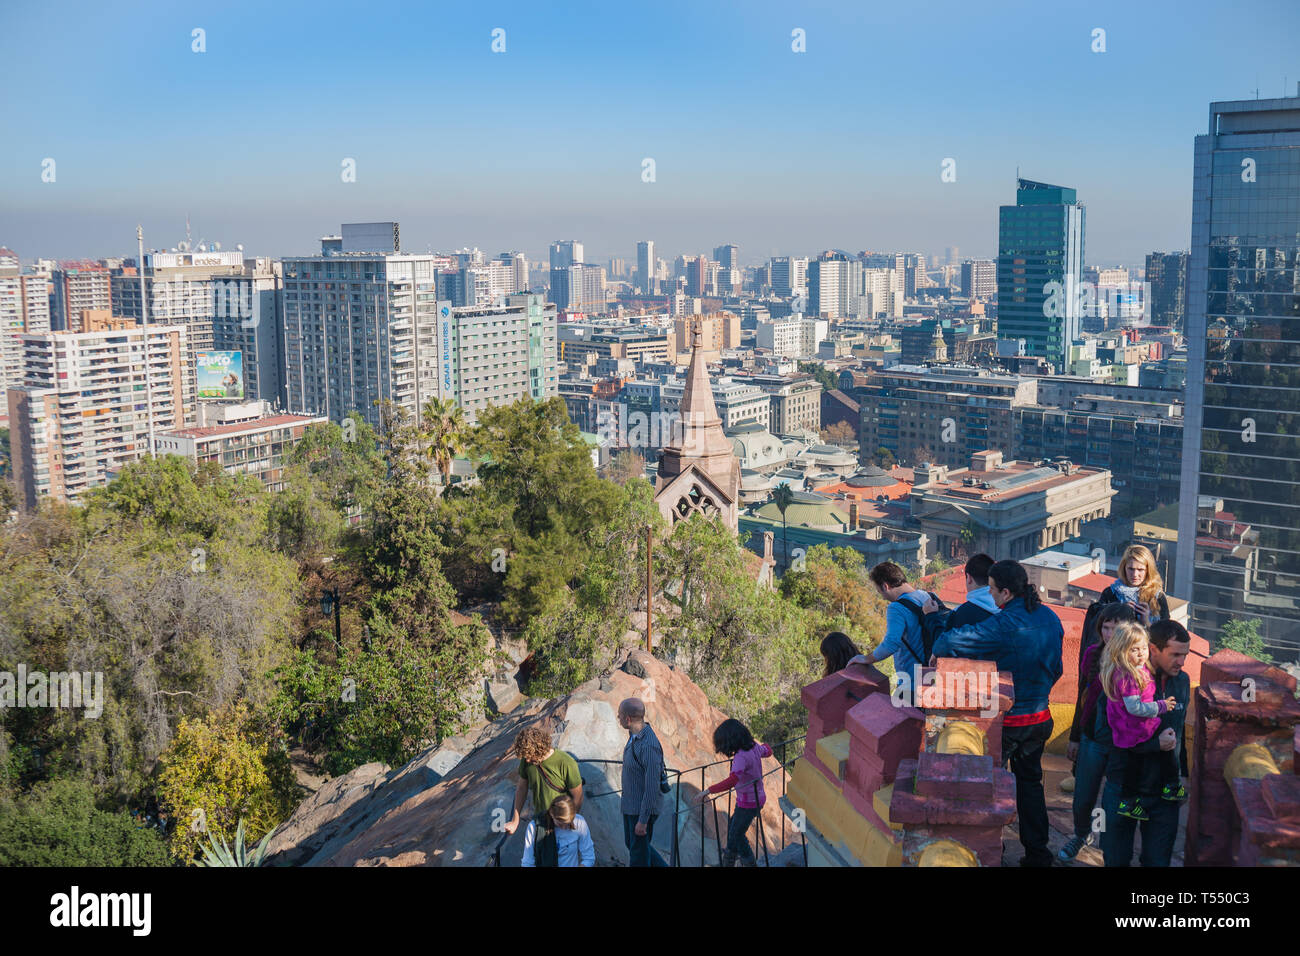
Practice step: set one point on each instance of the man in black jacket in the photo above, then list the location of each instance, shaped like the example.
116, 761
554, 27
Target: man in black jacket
978, 605
1169, 646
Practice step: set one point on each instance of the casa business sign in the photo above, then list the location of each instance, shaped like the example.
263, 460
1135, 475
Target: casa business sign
446, 338
220, 374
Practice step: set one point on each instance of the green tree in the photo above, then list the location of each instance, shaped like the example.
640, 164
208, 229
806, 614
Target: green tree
220, 769
345, 467
58, 824
746, 646
165, 587
783, 496
885, 458
1242, 635
446, 434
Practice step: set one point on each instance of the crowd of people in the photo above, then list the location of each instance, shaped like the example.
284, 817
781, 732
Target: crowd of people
1127, 728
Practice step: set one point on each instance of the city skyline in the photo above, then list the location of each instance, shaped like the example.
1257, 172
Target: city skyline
844, 154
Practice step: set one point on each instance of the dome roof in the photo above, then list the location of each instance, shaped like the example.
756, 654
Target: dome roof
871, 477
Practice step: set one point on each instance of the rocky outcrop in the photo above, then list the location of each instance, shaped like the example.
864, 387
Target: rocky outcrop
446, 806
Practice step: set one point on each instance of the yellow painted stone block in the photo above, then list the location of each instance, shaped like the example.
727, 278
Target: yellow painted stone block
833, 751
947, 853
1251, 761
1062, 718
880, 801
961, 737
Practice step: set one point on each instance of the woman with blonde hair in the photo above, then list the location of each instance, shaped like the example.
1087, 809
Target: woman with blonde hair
1139, 585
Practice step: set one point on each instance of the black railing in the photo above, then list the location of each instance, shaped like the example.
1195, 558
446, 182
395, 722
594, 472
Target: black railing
780, 751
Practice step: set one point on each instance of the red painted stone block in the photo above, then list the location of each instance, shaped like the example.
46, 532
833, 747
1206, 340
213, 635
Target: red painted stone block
1282, 794
961, 776
1230, 665
892, 732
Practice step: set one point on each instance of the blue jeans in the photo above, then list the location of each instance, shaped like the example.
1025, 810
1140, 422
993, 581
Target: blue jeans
639, 850
1158, 833
1089, 769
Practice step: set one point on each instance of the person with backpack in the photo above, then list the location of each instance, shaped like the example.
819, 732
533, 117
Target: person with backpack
904, 638
732, 739
1025, 638
573, 846
644, 783
1086, 753
544, 774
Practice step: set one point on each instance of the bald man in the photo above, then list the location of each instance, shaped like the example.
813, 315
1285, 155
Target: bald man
643, 761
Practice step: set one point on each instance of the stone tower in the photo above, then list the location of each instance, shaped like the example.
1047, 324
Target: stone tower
698, 471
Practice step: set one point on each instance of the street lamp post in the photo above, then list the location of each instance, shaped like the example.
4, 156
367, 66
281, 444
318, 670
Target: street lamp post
330, 602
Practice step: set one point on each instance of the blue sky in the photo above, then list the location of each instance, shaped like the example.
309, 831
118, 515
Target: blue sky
780, 152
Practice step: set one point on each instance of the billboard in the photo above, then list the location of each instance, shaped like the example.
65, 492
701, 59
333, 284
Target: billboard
220, 374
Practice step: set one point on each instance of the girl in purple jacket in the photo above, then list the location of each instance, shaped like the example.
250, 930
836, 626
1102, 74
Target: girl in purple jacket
733, 739
1134, 716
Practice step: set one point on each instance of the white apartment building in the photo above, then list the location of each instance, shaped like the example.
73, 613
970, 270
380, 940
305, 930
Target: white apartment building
882, 293
24, 308
361, 327
87, 403
795, 336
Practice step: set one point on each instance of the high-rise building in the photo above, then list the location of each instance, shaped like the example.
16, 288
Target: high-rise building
89, 399
979, 278
182, 290
24, 307
646, 267
361, 327
882, 293
566, 252
1166, 277
1239, 524
697, 275
1040, 265
246, 318
789, 275
834, 285
578, 286
727, 255
75, 287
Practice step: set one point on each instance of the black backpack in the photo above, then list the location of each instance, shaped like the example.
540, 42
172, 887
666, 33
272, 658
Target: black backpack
928, 636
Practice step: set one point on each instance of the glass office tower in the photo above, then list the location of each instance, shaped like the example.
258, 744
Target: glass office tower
1239, 517
1040, 242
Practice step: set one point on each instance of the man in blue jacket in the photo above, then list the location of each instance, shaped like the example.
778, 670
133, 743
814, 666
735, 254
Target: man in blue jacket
1024, 637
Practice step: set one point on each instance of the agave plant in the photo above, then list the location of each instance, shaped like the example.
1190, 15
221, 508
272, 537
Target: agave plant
221, 854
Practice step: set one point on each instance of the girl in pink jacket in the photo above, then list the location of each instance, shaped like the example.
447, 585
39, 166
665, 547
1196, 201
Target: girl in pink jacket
1134, 716
733, 739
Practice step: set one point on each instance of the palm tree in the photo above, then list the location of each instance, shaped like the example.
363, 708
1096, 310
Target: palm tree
967, 535
783, 495
447, 433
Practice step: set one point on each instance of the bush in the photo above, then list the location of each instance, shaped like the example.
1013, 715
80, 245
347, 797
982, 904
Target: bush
58, 824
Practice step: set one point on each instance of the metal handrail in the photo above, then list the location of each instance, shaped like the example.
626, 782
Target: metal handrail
761, 838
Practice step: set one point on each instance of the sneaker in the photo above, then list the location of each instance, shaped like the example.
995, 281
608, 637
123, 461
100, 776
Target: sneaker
1071, 849
1176, 794
1133, 810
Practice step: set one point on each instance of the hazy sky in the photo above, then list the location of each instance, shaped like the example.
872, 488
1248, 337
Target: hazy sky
780, 152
